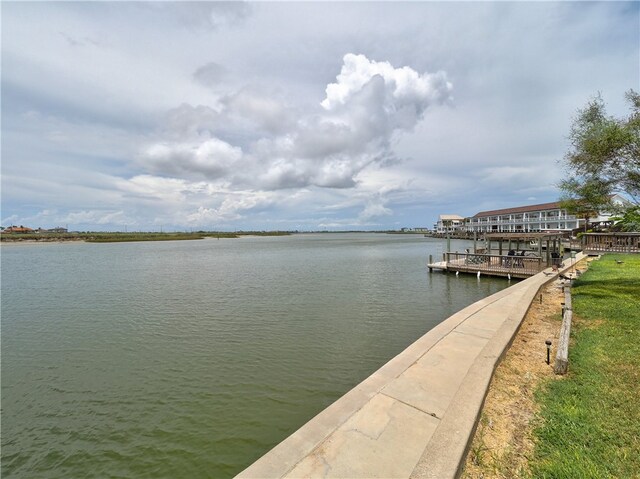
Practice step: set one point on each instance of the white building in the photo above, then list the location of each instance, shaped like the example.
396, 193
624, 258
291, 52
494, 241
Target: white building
523, 219
449, 224
548, 217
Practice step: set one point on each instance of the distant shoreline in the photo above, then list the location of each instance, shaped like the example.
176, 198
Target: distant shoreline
99, 237
32, 241
122, 237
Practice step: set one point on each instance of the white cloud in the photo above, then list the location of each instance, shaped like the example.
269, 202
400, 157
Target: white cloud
374, 210
260, 108
212, 159
168, 190
326, 147
282, 174
187, 122
233, 207
403, 86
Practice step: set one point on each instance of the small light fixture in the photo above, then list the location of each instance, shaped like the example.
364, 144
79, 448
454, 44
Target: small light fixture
548, 343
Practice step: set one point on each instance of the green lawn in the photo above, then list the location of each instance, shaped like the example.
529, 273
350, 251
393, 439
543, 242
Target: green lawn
590, 419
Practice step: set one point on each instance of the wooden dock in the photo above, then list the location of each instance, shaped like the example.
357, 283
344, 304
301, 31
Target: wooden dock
490, 264
523, 261
440, 266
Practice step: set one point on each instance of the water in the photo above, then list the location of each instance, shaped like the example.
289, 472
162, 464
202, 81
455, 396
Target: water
194, 358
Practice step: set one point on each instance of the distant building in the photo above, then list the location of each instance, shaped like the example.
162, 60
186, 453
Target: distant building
449, 224
18, 229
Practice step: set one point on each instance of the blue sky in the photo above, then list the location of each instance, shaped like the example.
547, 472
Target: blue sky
299, 116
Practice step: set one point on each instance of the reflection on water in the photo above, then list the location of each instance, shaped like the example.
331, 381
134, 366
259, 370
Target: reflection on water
192, 359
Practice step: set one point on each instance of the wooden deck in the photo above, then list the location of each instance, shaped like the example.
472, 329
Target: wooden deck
600, 243
491, 265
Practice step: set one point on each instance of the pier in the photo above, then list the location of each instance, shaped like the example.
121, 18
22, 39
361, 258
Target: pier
491, 264
513, 255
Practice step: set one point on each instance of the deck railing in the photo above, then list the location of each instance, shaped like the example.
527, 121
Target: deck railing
611, 243
495, 263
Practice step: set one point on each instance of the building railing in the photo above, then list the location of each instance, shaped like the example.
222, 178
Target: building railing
517, 265
526, 219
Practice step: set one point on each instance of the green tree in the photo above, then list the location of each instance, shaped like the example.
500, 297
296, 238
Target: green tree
604, 158
629, 220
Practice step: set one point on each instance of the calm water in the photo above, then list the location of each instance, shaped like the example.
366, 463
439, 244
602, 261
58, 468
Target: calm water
193, 358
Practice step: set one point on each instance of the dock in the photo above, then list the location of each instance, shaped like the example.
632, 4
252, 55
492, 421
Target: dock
516, 263
491, 265
440, 266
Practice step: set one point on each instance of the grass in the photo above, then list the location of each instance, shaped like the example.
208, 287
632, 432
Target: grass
126, 237
589, 425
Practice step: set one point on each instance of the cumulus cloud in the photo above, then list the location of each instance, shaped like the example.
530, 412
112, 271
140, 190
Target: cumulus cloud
187, 122
282, 174
212, 159
260, 108
365, 107
286, 148
403, 87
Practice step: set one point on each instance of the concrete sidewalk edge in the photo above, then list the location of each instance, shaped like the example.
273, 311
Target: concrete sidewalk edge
446, 452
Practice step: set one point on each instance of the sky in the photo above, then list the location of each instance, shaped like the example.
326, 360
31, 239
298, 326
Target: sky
297, 115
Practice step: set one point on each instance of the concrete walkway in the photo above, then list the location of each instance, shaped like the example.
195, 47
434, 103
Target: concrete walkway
415, 416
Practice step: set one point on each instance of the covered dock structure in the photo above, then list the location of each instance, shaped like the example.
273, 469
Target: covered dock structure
517, 255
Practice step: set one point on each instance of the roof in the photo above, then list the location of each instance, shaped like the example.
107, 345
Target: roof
451, 217
519, 209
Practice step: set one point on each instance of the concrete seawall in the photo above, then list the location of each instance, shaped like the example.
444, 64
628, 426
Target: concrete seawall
415, 416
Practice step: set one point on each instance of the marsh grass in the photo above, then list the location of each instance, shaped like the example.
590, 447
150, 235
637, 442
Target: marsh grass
589, 425
127, 237
118, 237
